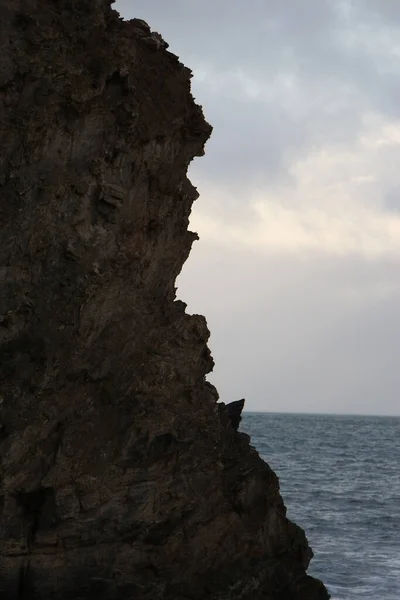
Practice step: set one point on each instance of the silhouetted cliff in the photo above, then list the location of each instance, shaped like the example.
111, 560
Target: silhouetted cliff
120, 477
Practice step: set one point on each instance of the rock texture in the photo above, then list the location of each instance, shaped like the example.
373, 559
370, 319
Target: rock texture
121, 478
234, 410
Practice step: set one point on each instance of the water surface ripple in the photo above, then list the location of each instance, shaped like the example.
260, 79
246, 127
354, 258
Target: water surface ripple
340, 480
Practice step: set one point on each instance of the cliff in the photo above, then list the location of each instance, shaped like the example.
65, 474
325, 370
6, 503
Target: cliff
121, 477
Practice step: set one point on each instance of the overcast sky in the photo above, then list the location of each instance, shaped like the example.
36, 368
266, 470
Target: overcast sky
298, 265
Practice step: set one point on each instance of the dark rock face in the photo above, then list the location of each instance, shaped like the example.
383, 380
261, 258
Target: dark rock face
234, 410
120, 479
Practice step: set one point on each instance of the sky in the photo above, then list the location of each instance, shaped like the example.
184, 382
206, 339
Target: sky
298, 265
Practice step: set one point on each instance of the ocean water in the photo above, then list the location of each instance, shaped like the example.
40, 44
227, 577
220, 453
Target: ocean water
340, 480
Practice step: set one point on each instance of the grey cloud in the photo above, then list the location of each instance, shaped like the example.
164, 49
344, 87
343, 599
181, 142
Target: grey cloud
392, 199
290, 334
248, 146
227, 31
387, 12
336, 83
293, 333
301, 36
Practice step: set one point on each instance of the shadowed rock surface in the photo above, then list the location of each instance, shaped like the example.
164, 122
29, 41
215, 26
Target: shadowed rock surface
234, 410
120, 477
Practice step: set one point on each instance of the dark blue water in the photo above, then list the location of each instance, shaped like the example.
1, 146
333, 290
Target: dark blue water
340, 480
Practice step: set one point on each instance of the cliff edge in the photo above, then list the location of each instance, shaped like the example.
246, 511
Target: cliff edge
121, 478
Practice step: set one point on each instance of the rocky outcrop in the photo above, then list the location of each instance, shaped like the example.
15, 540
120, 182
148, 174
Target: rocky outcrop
120, 478
234, 410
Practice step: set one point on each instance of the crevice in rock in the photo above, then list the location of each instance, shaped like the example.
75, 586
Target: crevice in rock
39, 508
22, 591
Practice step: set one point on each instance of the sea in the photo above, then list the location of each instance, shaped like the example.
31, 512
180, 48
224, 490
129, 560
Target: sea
340, 481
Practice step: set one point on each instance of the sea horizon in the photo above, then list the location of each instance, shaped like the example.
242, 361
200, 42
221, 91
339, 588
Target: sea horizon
320, 414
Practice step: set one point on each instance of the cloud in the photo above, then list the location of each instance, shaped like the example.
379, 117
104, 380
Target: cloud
294, 333
299, 214
281, 77
332, 203
392, 199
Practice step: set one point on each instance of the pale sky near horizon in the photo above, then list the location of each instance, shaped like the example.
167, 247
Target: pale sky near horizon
298, 265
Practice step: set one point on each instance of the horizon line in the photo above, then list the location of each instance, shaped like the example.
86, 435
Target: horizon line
320, 414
